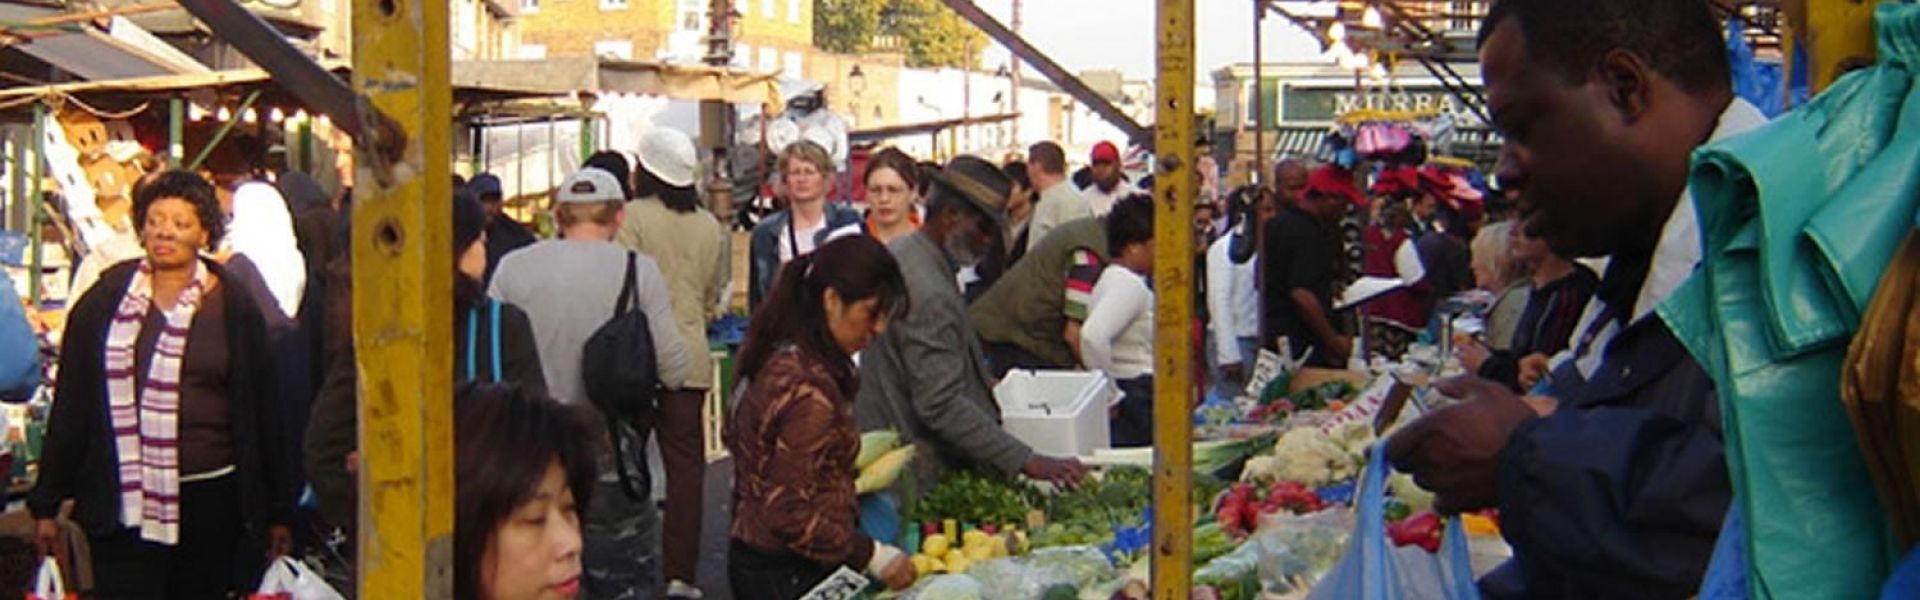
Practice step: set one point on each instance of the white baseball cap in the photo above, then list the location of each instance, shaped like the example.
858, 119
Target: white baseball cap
668, 154
589, 185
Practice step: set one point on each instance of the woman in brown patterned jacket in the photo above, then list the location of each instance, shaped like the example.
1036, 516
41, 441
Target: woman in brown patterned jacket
792, 433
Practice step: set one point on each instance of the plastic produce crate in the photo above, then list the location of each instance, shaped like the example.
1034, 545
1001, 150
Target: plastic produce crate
1058, 413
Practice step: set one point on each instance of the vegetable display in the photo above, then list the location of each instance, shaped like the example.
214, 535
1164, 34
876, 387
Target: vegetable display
1304, 455
883, 471
969, 497
873, 445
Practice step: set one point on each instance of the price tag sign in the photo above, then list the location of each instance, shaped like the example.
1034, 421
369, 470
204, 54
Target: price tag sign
843, 584
1270, 365
1370, 403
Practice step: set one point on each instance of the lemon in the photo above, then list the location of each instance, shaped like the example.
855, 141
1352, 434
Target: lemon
936, 546
974, 537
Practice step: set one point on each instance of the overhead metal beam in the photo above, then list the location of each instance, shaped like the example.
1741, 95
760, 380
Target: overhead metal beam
1136, 133
293, 70
1460, 88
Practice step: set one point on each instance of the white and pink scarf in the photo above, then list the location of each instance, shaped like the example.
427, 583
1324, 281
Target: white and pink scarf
146, 421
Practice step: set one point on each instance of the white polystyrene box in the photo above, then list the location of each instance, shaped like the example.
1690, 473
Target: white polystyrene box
1058, 413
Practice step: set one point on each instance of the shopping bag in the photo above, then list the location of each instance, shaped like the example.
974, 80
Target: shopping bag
289, 579
1798, 221
1373, 569
48, 585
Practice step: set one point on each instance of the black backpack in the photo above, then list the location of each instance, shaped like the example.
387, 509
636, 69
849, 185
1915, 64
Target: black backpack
622, 378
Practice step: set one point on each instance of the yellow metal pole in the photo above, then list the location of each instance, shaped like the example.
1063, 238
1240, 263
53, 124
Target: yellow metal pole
1173, 191
402, 299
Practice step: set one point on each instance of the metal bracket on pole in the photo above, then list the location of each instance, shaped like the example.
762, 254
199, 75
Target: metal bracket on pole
1136, 132
1174, 184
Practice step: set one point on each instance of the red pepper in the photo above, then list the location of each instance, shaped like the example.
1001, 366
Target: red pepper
1232, 513
1421, 530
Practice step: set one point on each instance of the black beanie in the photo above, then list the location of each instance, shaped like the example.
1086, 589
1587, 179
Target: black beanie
468, 221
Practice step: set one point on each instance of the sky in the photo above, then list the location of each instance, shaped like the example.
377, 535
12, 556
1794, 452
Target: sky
1119, 34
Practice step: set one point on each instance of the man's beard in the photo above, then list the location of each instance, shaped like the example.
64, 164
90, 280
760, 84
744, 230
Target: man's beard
1107, 187
958, 249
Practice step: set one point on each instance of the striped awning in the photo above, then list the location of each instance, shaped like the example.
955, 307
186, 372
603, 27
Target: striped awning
1298, 141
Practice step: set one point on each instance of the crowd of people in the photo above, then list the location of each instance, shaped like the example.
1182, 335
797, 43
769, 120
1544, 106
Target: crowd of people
206, 381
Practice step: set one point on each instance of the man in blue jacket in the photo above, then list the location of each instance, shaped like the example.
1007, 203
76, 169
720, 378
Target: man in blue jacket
1612, 482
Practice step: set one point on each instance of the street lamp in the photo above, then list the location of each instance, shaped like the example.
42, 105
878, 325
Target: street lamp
856, 83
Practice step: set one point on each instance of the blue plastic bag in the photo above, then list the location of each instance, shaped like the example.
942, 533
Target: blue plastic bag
1905, 582
1726, 577
19, 347
1373, 569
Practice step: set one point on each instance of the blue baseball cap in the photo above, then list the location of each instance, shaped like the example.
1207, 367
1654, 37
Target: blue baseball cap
483, 185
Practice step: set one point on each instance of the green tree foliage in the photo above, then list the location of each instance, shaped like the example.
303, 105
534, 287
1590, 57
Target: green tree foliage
846, 26
931, 34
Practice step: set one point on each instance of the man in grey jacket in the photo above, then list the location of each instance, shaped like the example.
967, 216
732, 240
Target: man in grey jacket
569, 288
927, 376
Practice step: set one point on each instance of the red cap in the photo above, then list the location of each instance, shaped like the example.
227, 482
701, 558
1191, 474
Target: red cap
1334, 181
1106, 151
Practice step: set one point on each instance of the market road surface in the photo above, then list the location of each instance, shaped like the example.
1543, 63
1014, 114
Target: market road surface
715, 520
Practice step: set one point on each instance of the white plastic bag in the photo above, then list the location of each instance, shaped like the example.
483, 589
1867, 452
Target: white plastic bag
289, 579
48, 585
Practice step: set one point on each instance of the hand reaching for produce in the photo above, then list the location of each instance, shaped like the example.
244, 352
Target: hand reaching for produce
1472, 353
1063, 472
1455, 451
1533, 368
899, 574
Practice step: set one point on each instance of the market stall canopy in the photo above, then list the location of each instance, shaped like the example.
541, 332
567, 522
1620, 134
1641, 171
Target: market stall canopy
121, 94
563, 76
119, 49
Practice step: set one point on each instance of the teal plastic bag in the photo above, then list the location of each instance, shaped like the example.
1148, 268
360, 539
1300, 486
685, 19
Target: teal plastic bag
1373, 569
1798, 219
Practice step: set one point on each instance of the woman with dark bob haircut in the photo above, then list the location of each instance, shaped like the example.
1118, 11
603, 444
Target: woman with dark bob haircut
793, 435
525, 469
164, 428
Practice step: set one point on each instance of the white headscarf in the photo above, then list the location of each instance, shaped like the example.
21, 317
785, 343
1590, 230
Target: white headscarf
262, 230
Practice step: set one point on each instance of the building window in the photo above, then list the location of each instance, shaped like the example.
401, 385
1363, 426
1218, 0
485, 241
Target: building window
617, 49
743, 56
528, 7
767, 8
793, 65
793, 11
769, 60
533, 51
613, 4
693, 15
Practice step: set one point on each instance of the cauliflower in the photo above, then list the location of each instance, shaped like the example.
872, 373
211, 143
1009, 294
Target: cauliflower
1355, 436
1304, 455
